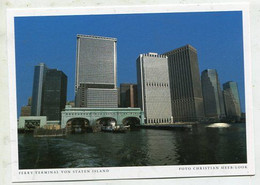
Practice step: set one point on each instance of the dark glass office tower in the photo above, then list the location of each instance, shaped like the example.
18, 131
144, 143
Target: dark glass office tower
54, 94
39, 75
96, 61
212, 94
232, 101
185, 84
128, 95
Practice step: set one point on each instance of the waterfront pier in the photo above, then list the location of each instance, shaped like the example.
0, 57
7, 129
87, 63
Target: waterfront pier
90, 117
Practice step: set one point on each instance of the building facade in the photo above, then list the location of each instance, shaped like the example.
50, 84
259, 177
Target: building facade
232, 101
128, 95
185, 84
71, 103
101, 97
92, 116
96, 72
26, 110
54, 94
31, 122
38, 78
153, 88
118, 97
212, 94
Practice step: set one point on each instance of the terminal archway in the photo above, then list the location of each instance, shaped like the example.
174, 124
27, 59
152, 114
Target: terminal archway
131, 121
106, 121
105, 124
78, 125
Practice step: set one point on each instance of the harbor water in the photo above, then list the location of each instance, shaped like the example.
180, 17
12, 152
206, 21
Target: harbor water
141, 147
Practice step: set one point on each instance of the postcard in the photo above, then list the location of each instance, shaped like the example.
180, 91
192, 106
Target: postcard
130, 92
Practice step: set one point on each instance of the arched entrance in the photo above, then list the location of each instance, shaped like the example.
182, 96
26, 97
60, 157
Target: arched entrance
106, 123
133, 122
78, 125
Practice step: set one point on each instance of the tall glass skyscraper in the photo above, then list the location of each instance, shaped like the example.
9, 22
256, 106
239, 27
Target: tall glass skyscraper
185, 84
49, 92
96, 76
212, 94
54, 94
38, 78
232, 100
153, 88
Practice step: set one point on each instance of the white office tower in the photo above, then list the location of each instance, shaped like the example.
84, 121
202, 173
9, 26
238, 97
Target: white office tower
95, 85
153, 88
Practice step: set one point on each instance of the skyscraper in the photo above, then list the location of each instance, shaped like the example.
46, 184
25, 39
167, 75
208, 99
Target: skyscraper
153, 88
212, 94
118, 97
128, 95
26, 110
185, 84
232, 100
38, 78
96, 76
54, 94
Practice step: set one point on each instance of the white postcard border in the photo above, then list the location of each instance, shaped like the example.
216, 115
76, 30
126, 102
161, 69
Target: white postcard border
130, 172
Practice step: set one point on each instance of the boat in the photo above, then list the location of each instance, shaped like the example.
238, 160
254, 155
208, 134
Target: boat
115, 129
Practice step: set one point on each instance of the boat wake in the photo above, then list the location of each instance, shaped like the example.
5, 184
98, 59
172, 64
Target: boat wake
219, 125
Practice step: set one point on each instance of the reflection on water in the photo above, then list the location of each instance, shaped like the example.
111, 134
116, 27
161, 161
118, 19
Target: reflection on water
219, 125
144, 147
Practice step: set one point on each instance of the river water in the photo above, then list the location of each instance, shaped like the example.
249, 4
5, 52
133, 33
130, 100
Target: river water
143, 147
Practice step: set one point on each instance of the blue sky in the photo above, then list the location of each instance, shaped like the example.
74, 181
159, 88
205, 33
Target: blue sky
217, 36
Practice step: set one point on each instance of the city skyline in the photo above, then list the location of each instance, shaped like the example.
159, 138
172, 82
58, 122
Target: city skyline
126, 66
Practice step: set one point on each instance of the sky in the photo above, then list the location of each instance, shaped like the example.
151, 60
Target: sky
217, 36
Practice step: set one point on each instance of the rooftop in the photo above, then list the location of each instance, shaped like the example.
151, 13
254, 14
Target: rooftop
69, 108
96, 37
152, 54
188, 46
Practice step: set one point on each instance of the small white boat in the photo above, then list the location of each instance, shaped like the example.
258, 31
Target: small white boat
118, 129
